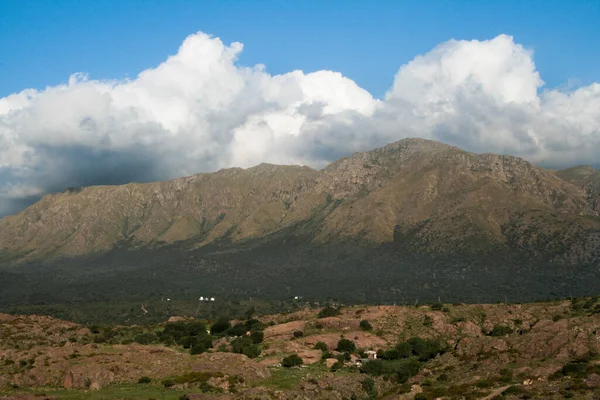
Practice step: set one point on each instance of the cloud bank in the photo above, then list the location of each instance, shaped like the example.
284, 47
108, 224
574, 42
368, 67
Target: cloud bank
200, 111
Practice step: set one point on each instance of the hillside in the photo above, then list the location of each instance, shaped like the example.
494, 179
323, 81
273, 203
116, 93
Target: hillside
586, 178
415, 219
438, 351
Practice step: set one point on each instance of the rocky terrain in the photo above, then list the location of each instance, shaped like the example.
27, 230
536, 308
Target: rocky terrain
542, 350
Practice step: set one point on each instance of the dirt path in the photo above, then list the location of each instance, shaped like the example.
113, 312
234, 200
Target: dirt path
496, 392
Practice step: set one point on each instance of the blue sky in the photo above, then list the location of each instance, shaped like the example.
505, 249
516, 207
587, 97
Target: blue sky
42, 42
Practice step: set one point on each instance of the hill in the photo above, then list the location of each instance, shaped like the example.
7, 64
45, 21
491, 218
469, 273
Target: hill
439, 351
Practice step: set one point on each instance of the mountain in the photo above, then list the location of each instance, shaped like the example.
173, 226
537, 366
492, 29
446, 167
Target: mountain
414, 218
443, 194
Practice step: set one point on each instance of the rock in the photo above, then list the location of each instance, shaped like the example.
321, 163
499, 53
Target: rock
416, 389
231, 364
593, 381
329, 362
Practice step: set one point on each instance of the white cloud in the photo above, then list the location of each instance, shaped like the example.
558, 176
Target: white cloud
200, 111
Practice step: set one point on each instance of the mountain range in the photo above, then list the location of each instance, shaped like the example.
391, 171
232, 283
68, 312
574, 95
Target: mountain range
414, 210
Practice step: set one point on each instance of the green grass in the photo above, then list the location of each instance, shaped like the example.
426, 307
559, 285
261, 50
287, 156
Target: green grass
112, 392
289, 378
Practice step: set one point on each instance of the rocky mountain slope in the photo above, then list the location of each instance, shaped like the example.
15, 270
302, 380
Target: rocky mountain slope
437, 197
588, 179
439, 351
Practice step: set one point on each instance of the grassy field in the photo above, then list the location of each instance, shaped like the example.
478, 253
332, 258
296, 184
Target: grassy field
112, 392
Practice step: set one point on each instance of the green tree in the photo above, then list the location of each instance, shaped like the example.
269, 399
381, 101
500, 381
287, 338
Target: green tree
365, 325
292, 361
257, 337
346, 345
220, 326
321, 346
328, 312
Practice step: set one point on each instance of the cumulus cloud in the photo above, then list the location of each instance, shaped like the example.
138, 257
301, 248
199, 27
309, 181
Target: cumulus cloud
201, 111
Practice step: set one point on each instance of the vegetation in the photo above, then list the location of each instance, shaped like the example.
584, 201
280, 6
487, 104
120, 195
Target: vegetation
321, 346
329, 312
293, 360
365, 325
346, 345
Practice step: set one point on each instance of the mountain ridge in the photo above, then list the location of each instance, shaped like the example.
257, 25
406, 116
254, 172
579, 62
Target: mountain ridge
453, 196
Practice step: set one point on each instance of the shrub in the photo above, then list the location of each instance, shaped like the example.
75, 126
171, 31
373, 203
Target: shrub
291, 361
328, 312
220, 326
427, 321
437, 306
168, 383
368, 385
321, 346
501, 330
484, 383
144, 379
392, 354
513, 390
403, 369
252, 351
184, 397
404, 350
145, 338
237, 330
257, 337
425, 349
327, 354
254, 325
346, 345
337, 366
197, 349
365, 325
420, 396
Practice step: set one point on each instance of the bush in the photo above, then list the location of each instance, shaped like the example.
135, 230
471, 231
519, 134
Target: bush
328, 312
251, 351
257, 337
392, 354
197, 349
403, 369
237, 330
291, 361
220, 326
144, 379
365, 325
298, 334
327, 354
368, 386
420, 396
346, 345
168, 383
404, 350
427, 321
254, 325
437, 306
145, 338
501, 330
321, 346
423, 349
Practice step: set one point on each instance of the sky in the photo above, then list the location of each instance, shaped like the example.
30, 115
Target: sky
118, 91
